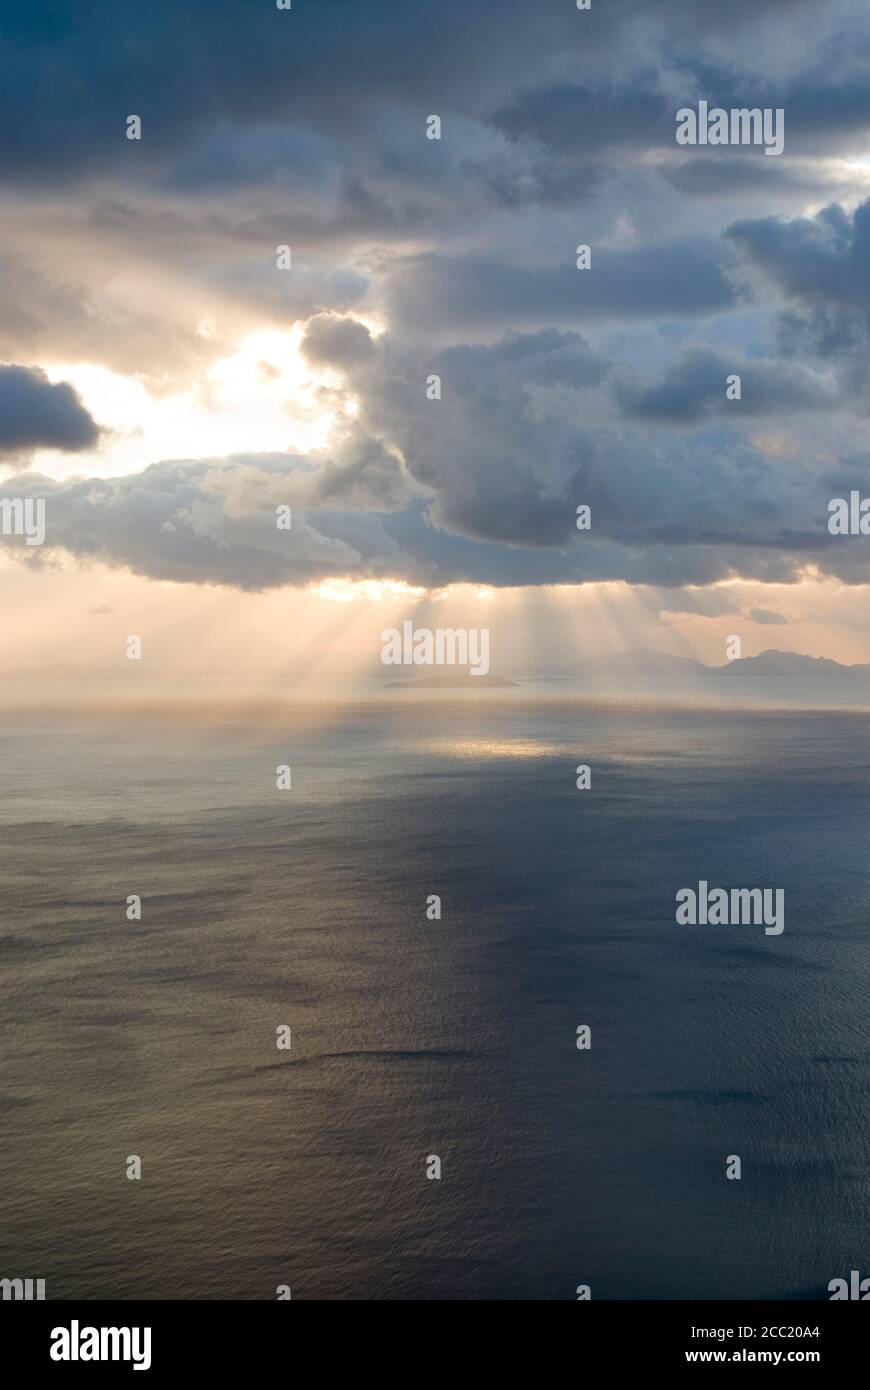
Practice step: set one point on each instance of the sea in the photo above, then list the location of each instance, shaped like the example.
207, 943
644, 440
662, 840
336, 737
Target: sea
423, 1030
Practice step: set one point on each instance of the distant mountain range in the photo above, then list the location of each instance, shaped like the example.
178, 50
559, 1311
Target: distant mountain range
770, 664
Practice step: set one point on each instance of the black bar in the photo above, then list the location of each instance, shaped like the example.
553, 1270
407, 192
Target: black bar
255, 1339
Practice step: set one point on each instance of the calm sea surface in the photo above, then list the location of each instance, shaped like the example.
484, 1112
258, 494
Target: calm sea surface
413, 1037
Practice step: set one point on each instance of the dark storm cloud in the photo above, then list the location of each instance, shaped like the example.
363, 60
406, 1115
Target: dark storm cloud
821, 267
694, 388
479, 292
817, 74
191, 70
531, 427
593, 118
821, 261
230, 158
36, 413
185, 66
742, 173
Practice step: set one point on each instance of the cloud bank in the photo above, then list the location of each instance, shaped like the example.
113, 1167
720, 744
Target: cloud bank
558, 387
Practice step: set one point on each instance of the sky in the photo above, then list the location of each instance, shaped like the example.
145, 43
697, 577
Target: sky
167, 383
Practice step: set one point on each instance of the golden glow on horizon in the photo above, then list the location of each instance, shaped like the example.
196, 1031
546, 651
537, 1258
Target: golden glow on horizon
68, 622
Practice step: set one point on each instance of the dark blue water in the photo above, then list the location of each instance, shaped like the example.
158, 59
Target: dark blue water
413, 1037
